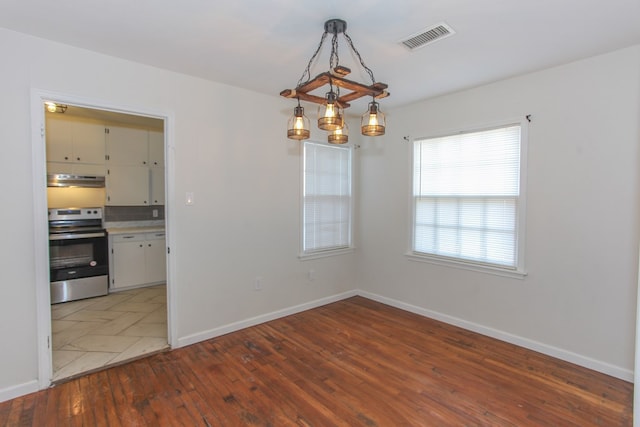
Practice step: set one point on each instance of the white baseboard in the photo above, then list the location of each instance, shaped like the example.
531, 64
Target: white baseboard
587, 362
236, 326
18, 390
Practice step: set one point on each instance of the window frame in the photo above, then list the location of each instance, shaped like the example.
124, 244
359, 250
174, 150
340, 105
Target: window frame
334, 251
519, 271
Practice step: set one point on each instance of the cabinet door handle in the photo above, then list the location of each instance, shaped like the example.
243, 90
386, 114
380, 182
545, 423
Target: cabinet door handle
127, 237
78, 158
66, 158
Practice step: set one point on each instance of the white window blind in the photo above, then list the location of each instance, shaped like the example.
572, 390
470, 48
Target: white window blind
326, 198
466, 191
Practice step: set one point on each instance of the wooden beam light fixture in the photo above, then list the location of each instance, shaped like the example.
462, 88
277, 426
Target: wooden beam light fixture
330, 109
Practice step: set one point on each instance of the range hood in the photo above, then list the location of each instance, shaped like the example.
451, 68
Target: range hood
68, 180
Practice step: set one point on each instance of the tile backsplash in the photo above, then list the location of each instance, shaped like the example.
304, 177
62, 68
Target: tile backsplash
133, 213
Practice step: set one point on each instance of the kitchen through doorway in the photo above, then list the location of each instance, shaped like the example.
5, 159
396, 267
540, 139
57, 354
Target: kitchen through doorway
107, 167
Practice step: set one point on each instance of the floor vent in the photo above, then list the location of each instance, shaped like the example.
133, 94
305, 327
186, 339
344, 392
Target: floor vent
427, 36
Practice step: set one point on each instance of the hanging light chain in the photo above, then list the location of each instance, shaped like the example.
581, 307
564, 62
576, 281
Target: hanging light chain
353, 48
334, 59
307, 71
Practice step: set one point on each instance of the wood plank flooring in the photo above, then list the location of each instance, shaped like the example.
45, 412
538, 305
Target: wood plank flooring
352, 363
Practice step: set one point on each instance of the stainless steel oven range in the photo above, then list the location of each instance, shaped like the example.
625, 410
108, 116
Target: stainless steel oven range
78, 249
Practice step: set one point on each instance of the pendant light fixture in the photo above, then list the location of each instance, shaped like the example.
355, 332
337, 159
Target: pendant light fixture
330, 115
373, 121
331, 107
298, 126
339, 136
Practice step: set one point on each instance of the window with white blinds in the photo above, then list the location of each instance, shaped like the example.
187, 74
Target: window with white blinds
466, 192
326, 198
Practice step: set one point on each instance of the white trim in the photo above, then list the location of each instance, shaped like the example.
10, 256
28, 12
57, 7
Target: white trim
242, 324
636, 373
41, 248
559, 353
18, 390
587, 362
455, 263
325, 254
520, 270
41, 243
169, 221
302, 255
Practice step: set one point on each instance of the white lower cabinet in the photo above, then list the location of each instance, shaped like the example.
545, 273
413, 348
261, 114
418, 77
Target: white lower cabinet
137, 259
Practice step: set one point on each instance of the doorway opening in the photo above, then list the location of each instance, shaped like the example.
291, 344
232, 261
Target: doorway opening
129, 318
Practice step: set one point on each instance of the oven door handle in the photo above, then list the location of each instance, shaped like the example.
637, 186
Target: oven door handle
67, 236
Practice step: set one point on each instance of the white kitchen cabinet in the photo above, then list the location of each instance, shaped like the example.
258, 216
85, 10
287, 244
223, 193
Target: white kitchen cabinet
135, 167
127, 186
74, 142
157, 186
137, 259
156, 149
77, 168
155, 258
128, 261
156, 167
127, 146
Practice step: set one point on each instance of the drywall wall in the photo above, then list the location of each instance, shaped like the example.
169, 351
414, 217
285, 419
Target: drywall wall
582, 226
227, 146
582, 213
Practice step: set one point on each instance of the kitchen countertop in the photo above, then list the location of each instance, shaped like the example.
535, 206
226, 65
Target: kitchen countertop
128, 227
130, 230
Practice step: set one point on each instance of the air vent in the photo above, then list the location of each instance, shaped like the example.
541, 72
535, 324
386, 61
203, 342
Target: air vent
427, 36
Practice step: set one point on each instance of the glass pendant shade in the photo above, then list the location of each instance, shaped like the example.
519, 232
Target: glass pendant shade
339, 136
298, 125
373, 121
330, 115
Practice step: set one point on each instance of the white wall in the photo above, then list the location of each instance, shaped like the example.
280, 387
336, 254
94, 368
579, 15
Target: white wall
228, 147
579, 296
578, 300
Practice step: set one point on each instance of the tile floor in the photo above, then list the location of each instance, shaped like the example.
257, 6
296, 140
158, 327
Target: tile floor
92, 333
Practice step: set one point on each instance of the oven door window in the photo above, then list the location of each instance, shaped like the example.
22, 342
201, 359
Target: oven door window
68, 256
77, 258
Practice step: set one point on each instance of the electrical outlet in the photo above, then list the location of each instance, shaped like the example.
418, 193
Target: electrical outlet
154, 213
311, 275
257, 284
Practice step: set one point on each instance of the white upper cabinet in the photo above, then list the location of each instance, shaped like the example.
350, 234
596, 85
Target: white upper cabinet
73, 141
156, 149
127, 146
128, 186
135, 167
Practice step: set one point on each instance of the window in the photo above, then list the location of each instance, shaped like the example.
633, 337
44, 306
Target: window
326, 199
467, 198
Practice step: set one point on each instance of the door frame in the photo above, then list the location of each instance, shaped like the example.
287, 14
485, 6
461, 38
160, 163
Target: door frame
41, 229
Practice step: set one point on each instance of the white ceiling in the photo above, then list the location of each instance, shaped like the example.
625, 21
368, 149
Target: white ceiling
265, 45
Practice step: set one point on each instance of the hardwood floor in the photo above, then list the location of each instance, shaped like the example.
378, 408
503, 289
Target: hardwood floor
352, 363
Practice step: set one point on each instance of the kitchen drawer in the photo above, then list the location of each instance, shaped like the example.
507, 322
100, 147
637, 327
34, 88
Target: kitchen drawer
155, 236
129, 238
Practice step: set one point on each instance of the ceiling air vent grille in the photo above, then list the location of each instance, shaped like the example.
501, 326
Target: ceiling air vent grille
427, 36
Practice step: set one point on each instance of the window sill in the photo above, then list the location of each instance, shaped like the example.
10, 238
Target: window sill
325, 254
481, 268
